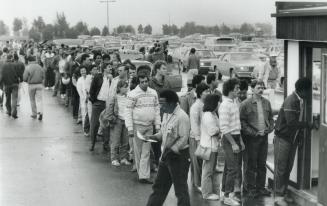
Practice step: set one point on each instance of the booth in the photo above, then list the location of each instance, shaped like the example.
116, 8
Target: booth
303, 27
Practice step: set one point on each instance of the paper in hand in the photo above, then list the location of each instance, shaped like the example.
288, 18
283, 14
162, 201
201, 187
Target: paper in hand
141, 137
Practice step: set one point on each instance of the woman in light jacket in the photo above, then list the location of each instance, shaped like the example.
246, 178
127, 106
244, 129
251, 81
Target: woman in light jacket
82, 92
116, 117
209, 139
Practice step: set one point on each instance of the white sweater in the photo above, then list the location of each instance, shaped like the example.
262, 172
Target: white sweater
209, 127
142, 108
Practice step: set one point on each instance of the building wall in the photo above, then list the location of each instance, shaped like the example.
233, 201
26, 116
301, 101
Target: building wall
293, 74
305, 28
293, 65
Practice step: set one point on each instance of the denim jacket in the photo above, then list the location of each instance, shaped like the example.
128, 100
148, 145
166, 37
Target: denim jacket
249, 116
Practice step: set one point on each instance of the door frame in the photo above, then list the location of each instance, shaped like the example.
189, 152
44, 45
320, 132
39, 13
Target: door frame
304, 150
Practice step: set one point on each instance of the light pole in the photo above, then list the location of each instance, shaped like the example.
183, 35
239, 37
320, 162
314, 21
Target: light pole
107, 2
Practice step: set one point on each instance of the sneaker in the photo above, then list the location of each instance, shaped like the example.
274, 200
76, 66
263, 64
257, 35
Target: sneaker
62, 96
230, 201
212, 197
125, 162
86, 134
33, 116
199, 189
115, 163
235, 197
222, 195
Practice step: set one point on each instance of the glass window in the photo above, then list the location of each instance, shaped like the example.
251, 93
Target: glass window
325, 87
243, 57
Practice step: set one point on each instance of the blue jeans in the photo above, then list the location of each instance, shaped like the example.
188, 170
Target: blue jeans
256, 149
233, 164
196, 164
284, 158
11, 99
97, 108
119, 141
210, 178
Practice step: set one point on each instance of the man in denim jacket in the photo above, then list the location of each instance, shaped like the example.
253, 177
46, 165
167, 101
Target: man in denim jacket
257, 122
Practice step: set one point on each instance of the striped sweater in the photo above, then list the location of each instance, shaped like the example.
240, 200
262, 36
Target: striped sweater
142, 108
229, 117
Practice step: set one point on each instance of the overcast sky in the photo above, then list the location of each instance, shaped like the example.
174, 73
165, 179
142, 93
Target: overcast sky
134, 12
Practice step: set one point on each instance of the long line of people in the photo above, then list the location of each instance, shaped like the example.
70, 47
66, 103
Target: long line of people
146, 124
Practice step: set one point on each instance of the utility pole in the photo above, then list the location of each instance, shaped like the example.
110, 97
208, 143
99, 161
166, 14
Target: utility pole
169, 19
107, 2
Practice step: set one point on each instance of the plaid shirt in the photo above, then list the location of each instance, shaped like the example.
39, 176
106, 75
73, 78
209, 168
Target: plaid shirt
229, 117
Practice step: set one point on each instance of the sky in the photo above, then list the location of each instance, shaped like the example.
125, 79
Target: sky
135, 12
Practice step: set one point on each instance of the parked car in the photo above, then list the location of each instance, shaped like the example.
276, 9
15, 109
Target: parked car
221, 45
238, 64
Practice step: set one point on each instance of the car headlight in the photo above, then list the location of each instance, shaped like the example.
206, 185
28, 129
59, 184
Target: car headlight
242, 68
201, 64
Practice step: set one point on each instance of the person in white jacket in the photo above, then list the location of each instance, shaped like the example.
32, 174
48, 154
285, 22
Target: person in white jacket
82, 92
209, 139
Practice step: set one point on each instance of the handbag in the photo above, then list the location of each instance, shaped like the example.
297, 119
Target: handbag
203, 152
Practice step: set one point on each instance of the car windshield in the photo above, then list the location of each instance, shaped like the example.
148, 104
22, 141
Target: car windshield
205, 54
243, 56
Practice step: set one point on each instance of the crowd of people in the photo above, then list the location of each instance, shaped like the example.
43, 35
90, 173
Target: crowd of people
145, 124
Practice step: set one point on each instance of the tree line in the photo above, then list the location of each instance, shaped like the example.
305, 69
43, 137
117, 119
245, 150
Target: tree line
40, 30
191, 27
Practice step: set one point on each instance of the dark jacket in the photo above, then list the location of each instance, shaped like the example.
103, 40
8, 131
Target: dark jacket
249, 117
187, 100
156, 85
95, 88
113, 111
10, 74
20, 68
288, 123
217, 92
